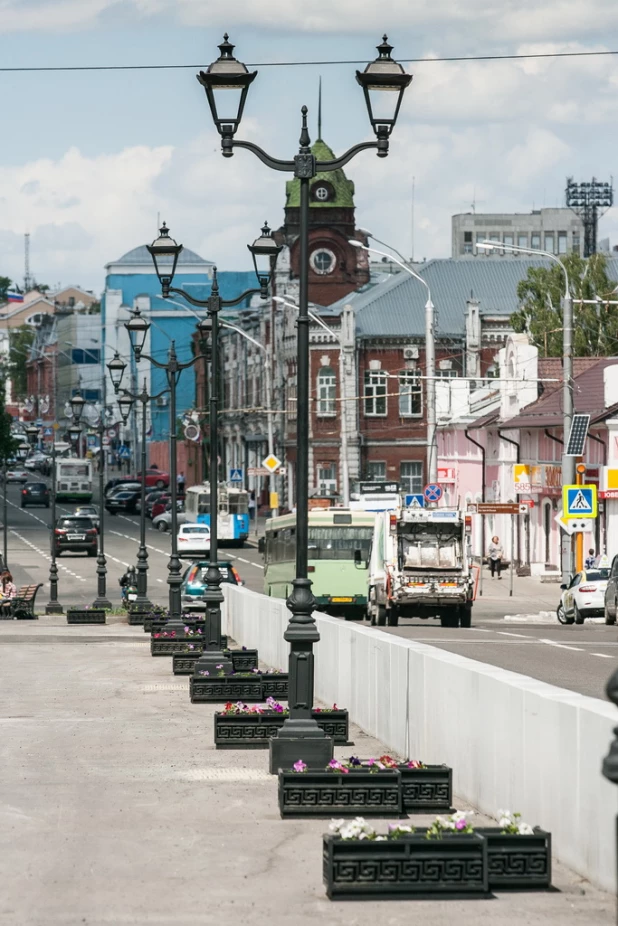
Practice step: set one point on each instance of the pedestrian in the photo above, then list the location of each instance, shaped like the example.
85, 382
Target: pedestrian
8, 589
590, 560
252, 505
180, 483
495, 556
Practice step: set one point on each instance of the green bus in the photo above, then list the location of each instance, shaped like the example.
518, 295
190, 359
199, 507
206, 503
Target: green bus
339, 549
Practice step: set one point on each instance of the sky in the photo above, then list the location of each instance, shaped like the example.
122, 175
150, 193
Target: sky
91, 160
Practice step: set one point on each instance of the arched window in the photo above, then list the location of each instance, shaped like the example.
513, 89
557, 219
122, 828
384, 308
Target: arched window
327, 389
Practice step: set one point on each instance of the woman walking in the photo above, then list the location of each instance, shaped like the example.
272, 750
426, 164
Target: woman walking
495, 556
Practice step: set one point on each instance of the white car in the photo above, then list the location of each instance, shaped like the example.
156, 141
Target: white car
584, 596
17, 475
163, 522
193, 540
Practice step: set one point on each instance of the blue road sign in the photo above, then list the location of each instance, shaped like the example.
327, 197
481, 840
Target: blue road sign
579, 501
48, 432
416, 500
433, 492
236, 474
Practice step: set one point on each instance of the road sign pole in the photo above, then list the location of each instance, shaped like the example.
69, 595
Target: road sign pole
579, 536
512, 554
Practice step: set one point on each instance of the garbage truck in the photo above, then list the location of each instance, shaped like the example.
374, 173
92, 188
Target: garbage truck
420, 567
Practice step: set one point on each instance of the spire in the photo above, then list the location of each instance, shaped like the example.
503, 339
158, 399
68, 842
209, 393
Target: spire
320, 109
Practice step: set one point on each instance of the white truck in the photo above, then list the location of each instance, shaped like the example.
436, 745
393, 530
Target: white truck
420, 567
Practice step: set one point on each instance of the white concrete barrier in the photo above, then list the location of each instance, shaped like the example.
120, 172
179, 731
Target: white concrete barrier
513, 742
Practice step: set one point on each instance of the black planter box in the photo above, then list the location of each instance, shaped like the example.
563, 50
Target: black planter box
93, 616
324, 793
257, 687
522, 862
410, 866
242, 660
253, 731
137, 618
157, 624
167, 646
427, 790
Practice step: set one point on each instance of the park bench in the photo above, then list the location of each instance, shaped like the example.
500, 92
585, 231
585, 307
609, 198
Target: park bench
21, 607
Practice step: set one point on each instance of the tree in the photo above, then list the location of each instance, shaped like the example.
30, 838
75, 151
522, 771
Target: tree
595, 327
20, 341
8, 444
5, 285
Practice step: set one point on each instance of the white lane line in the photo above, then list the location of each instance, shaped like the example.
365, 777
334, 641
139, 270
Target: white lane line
248, 562
136, 541
573, 649
160, 580
601, 655
47, 556
524, 636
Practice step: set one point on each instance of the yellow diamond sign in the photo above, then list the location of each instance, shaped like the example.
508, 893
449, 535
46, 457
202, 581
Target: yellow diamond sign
271, 463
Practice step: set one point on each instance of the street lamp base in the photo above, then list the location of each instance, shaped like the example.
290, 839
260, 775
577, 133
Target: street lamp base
142, 604
102, 603
208, 662
305, 741
54, 607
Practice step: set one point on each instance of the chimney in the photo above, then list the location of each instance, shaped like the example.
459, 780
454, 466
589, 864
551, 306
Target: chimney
610, 385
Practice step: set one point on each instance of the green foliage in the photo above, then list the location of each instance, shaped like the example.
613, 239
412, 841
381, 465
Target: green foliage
20, 341
5, 285
595, 327
8, 444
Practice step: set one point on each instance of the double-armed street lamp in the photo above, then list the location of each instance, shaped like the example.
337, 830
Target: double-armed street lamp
165, 252
226, 82
21, 453
126, 401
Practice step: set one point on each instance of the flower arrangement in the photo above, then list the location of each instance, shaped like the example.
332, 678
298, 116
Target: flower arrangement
358, 828
456, 823
300, 766
335, 766
171, 634
241, 708
513, 824
398, 830
370, 765
325, 710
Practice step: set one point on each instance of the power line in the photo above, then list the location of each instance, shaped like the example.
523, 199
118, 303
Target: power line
290, 64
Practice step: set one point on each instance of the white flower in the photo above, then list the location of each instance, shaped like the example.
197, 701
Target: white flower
462, 815
335, 825
505, 813
525, 829
504, 821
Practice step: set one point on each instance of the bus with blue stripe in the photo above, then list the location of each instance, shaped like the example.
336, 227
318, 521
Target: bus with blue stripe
233, 520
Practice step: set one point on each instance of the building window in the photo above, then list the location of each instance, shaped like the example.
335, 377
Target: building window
562, 242
549, 243
410, 394
467, 246
327, 478
535, 242
323, 261
447, 374
522, 241
327, 388
508, 239
85, 356
291, 400
576, 245
375, 392
411, 478
376, 471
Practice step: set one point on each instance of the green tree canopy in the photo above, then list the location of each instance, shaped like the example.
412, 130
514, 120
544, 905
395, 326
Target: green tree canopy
20, 341
595, 327
5, 285
8, 444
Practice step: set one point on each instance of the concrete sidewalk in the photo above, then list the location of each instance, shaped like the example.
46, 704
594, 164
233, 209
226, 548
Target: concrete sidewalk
116, 808
530, 596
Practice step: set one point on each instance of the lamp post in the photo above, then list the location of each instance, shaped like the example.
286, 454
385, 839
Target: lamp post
138, 327
164, 252
430, 360
568, 463
21, 452
125, 404
102, 601
343, 432
53, 606
227, 82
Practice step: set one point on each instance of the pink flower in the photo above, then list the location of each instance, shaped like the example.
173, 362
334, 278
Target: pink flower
460, 825
300, 766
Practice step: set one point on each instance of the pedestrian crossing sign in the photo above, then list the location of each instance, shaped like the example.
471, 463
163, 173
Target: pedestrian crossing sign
579, 501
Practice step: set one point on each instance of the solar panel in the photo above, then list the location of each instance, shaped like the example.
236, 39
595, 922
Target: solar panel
577, 437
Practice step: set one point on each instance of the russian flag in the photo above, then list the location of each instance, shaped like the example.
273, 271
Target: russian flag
14, 297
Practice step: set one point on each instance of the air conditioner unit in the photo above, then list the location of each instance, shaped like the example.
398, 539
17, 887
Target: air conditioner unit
410, 353
162, 401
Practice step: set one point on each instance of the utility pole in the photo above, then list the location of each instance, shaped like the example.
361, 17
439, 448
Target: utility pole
568, 463
430, 372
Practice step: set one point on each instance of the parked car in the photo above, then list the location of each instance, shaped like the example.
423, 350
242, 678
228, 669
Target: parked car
154, 477
194, 578
74, 535
610, 603
161, 504
124, 487
122, 501
37, 462
584, 596
114, 485
89, 511
17, 475
35, 493
193, 539
153, 496
163, 522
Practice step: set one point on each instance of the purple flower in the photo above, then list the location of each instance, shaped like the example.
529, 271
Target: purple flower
191, 646
244, 649
204, 673
300, 766
219, 666
354, 761
460, 825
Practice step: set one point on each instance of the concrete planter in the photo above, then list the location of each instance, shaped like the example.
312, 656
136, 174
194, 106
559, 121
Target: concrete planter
253, 731
359, 792
427, 790
92, 616
256, 687
521, 862
242, 660
168, 646
410, 866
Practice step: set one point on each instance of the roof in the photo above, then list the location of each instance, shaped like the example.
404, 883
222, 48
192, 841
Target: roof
485, 420
141, 255
344, 188
396, 306
588, 399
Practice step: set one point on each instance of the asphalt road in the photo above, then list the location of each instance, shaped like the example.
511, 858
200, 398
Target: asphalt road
579, 658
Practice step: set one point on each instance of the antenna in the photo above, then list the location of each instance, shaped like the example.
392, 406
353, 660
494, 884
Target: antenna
412, 230
320, 108
158, 221
27, 278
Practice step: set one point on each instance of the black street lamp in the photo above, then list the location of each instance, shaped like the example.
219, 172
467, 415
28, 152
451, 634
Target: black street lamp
300, 736
53, 606
264, 251
137, 326
125, 404
102, 601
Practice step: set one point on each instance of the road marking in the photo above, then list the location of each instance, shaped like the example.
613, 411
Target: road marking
46, 556
160, 580
601, 655
524, 636
573, 649
136, 541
